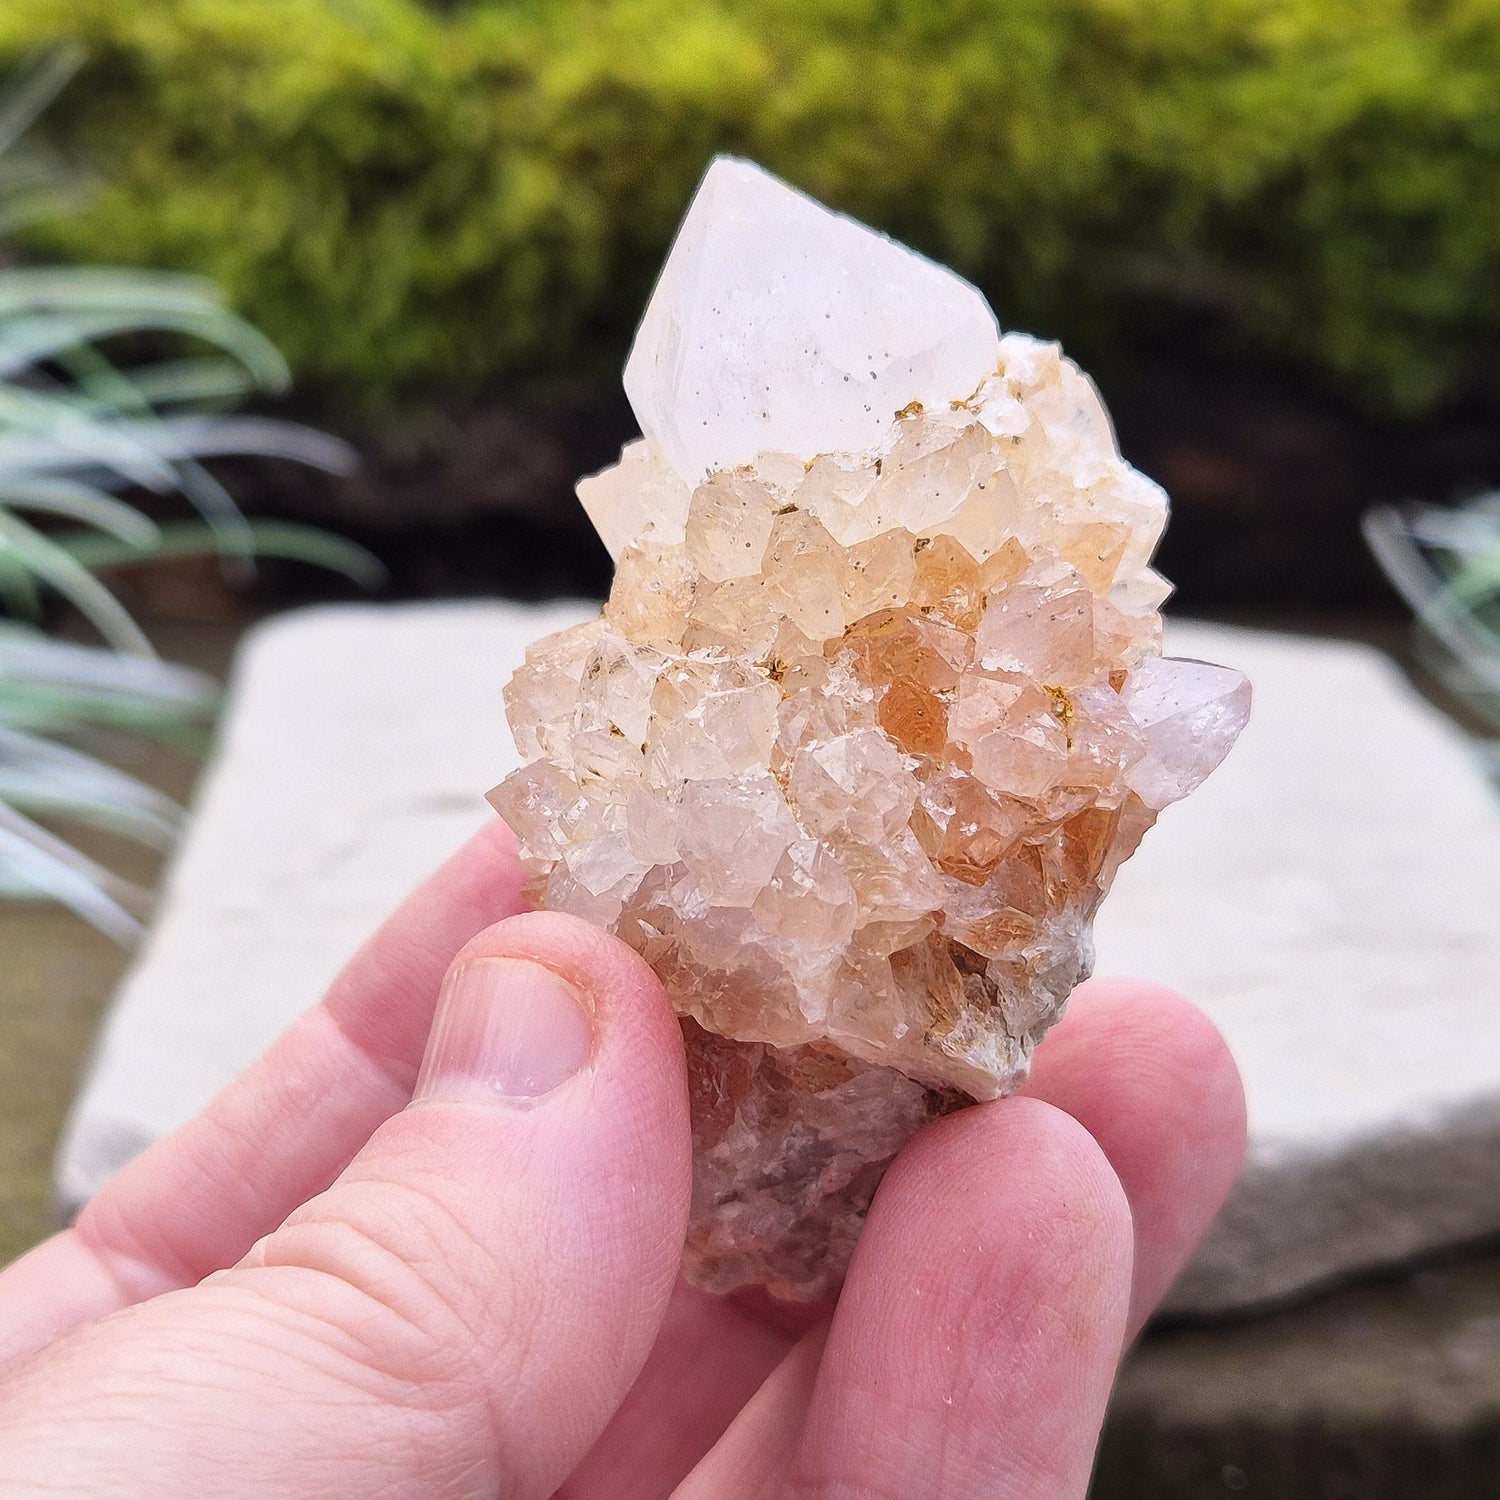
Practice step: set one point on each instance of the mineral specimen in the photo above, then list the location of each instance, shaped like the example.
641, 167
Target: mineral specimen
874, 712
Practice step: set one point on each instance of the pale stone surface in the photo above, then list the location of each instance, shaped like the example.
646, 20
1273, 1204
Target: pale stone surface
1332, 895
1312, 931
350, 762
778, 325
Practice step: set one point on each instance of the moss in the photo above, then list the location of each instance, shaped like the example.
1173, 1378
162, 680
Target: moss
408, 195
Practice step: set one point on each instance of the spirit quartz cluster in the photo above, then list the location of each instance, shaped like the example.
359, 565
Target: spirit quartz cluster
874, 712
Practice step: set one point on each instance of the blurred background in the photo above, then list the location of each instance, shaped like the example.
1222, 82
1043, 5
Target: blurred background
1271, 231
307, 301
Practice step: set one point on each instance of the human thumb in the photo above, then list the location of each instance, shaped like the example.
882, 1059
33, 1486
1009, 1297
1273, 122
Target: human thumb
459, 1313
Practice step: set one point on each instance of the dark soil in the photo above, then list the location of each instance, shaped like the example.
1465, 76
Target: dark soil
1268, 481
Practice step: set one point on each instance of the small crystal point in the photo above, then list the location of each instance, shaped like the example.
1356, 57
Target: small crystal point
779, 326
874, 713
1192, 713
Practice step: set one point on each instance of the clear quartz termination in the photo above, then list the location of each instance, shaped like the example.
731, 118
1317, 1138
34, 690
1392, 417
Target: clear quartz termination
873, 714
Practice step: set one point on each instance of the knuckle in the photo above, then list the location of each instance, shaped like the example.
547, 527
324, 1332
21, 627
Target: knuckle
390, 1274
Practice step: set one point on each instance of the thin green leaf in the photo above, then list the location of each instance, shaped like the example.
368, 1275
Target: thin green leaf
151, 453
38, 711
26, 655
57, 567
280, 539
1453, 639
31, 340
38, 308
26, 289
52, 434
199, 382
74, 431
18, 590
28, 852
182, 437
1464, 531
54, 688
40, 81
42, 778
1477, 582
79, 502
97, 378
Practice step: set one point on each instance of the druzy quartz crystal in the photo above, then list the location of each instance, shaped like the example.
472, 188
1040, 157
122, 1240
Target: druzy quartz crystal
873, 714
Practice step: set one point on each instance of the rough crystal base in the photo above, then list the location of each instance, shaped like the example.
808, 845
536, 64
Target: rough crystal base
789, 1145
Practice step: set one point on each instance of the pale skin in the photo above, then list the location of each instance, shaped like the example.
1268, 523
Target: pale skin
319, 1288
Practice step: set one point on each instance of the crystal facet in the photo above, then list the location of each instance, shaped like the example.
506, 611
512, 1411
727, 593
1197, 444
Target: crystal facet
873, 714
778, 326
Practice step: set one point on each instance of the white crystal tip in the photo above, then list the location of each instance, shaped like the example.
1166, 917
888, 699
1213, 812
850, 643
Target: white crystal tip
779, 326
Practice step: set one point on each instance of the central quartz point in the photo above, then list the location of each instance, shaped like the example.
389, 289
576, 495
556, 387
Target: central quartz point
874, 712
778, 326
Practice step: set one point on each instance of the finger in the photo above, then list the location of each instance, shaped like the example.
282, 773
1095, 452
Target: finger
1149, 1077
1142, 1069
462, 1310
976, 1339
712, 1355
196, 1201
751, 1460
1147, 1074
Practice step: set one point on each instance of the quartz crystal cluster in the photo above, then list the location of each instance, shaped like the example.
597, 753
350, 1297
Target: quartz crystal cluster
873, 714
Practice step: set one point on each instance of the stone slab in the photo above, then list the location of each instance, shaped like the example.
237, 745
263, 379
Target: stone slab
1386, 1391
353, 758
1332, 896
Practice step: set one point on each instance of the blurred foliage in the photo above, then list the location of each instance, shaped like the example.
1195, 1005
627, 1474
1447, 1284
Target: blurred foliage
1446, 565
82, 442
405, 194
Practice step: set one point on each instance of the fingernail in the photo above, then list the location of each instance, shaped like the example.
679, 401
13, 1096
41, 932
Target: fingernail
505, 1028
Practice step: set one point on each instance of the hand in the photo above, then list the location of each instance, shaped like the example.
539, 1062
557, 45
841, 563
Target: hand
321, 1287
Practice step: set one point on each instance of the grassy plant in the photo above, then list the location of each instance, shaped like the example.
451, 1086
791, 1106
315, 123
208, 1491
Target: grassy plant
1446, 564
79, 435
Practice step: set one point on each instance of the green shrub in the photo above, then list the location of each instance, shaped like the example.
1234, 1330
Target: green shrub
406, 195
